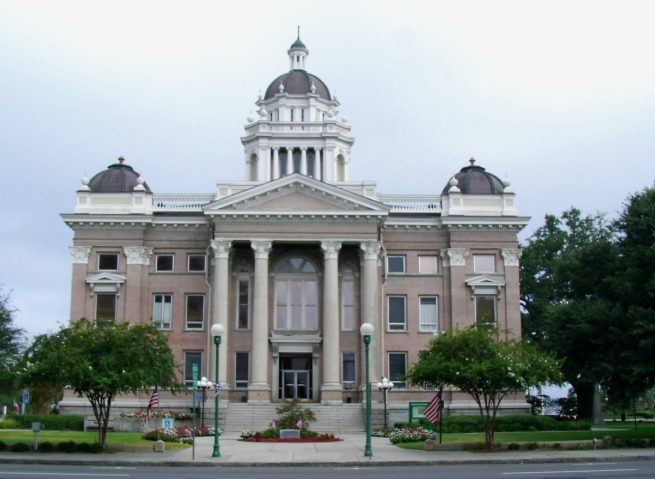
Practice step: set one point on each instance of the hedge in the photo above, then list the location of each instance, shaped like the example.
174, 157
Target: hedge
463, 424
51, 422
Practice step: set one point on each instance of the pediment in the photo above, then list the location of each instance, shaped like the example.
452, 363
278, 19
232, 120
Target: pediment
485, 284
298, 195
105, 282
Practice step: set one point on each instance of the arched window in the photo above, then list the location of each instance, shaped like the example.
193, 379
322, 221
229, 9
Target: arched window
296, 295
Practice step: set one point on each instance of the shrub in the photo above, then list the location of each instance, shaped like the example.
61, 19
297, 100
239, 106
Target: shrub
96, 448
66, 446
19, 447
557, 445
9, 423
3, 446
51, 422
513, 447
308, 433
292, 411
270, 433
82, 447
46, 447
245, 434
531, 446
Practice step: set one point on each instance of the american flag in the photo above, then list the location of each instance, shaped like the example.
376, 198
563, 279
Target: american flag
154, 402
432, 411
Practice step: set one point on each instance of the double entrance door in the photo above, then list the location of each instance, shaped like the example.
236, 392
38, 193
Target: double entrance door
295, 377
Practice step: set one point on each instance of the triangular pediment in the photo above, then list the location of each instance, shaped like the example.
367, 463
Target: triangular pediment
296, 195
485, 284
106, 278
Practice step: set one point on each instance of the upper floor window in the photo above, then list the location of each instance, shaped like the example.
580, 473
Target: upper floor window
484, 263
162, 311
428, 314
105, 308
108, 261
485, 310
195, 311
296, 295
292, 114
427, 264
243, 303
196, 263
348, 300
164, 262
395, 264
397, 313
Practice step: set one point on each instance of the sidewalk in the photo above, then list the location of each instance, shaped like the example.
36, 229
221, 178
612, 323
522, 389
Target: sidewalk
349, 452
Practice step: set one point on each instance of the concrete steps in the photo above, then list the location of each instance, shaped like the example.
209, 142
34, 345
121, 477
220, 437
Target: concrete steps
337, 419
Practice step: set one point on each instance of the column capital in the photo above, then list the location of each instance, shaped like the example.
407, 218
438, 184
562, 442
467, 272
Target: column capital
511, 256
331, 249
370, 249
276, 148
138, 254
221, 248
454, 257
262, 248
80, 254
304, 148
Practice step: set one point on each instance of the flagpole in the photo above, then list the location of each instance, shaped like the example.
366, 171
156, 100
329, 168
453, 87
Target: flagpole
441, 415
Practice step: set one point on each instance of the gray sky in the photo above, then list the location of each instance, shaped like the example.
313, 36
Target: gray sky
558, 95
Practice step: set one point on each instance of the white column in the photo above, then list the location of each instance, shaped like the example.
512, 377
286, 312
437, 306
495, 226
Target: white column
289, 169
318, 174
303, 161
276, 163
369, 294
221, 248
331, 387
259, 389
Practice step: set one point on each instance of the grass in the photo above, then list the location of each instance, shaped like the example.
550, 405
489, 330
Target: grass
113, 438
624, 431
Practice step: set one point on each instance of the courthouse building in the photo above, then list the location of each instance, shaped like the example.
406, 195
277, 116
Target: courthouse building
292, 260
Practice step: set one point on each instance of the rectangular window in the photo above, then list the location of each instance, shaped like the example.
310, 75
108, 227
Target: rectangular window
484, 263
398, 370
195, 311
302, 114
427, 264
241, 370
105, 308
196, 263
396, 264
162, 311
164, 262
397, 313
428, 314
348, 305
291, 114
191, 358
243, 304
349, 371
485, 310
107, 261
296, 304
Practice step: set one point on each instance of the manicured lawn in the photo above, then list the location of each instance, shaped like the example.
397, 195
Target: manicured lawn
113, 438
623, 432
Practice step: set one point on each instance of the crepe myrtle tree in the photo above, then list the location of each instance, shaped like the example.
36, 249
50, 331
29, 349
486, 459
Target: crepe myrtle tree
475, 361
101, 362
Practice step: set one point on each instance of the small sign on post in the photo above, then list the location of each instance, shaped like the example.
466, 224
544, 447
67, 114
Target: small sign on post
36, 428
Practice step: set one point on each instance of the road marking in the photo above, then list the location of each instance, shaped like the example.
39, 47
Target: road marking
567, 472
68, 474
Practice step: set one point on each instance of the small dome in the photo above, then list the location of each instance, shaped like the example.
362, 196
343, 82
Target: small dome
298, 43
117, 178
474, 180
298, 82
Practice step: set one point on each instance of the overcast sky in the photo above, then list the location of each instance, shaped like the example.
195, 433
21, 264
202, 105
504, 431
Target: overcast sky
557, 95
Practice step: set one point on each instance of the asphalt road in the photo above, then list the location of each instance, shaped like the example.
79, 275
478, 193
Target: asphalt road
596, 470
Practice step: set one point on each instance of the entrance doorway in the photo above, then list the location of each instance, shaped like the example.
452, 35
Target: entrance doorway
295, 376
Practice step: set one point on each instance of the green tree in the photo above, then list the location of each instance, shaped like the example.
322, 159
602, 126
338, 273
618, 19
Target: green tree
101, 362
633, 346
476, 362
568, 299
11, 342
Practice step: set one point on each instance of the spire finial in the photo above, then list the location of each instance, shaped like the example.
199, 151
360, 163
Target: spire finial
298, 32
121, 160
472, 161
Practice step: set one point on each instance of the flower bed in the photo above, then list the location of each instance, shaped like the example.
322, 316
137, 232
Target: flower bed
321, 438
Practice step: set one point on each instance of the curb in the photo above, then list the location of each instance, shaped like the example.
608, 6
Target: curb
371, 463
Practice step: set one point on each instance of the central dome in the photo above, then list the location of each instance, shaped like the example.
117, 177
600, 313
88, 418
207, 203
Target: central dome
298, 82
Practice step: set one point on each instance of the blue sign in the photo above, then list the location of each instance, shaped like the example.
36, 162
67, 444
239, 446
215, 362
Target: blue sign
167, 423
26, 397
199, 398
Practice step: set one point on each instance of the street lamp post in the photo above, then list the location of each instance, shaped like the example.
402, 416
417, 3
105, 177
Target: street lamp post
217, 332
203, 385
385, 386
366, 330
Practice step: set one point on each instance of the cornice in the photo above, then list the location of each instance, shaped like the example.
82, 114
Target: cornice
268, 218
